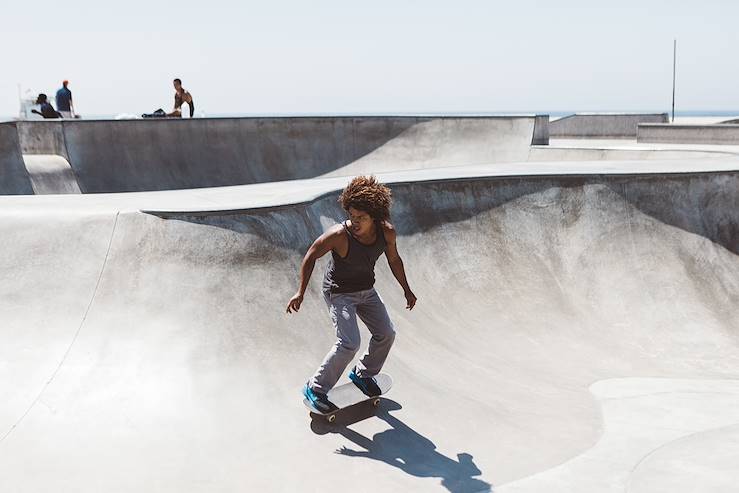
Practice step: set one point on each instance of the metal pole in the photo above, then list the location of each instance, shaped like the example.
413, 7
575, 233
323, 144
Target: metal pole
674, 66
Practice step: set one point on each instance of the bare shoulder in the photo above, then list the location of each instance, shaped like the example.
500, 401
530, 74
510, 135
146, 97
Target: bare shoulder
334, 233
388, 230
335, 230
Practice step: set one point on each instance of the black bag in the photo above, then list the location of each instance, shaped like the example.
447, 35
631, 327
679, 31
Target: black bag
160, 113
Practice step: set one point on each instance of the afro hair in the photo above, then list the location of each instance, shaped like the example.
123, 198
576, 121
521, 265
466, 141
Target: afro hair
366, 194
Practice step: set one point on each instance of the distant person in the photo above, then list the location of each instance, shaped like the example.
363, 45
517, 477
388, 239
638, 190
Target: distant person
47, 110
64, 103
181, 96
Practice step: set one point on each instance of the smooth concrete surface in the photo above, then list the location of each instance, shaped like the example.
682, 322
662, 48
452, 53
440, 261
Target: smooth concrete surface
575, 331
50, 174
659, 435
165, 154
14, 178
142, 155
602, 125
42, 137
293, 192
703, 120
690, 150
689, 134
577, 153
443, 143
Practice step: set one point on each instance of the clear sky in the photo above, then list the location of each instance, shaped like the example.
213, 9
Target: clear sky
373, 57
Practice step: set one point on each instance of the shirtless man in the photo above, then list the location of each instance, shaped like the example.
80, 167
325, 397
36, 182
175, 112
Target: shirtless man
181, 96
355, 246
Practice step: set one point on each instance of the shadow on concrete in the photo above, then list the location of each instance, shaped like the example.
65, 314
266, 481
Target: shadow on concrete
704, 204
402, 447
344, 417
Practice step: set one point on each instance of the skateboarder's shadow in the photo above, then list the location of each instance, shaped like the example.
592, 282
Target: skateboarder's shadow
404, 448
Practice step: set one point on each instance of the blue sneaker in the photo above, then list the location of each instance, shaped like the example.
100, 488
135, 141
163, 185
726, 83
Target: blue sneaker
368, 385
319, 400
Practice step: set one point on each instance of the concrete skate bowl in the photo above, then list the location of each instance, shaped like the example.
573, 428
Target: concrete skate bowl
146, 155
148, 353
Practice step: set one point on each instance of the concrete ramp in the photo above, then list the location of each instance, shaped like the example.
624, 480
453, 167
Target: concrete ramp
567, 326
143, 155
146, 155
50, 174
449, 142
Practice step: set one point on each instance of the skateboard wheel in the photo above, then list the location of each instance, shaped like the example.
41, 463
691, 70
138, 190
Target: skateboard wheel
331, 418
376, 402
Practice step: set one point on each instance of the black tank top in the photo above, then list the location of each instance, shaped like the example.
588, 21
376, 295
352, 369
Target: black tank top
356, 271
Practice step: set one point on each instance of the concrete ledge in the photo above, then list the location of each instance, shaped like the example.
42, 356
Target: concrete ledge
618, 125
688, 134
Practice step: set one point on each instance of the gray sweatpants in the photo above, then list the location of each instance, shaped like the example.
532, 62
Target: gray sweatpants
344, 308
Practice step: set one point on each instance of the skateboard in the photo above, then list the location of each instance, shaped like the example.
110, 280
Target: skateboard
348, 394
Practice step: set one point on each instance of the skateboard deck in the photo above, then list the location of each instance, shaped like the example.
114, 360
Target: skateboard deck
343, 396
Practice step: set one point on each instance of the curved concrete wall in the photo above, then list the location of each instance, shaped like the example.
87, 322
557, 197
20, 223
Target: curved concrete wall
140, 155
615, 125
42, 137
14, 179
689, 134
153, 339
50, 174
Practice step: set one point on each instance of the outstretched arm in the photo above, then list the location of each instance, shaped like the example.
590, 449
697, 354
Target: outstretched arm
324, 244
396, 265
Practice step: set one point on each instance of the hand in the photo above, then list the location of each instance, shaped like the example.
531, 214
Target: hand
295, 303
410, 299
347, 451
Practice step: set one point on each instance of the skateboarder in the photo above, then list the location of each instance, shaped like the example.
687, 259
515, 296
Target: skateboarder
355, 246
